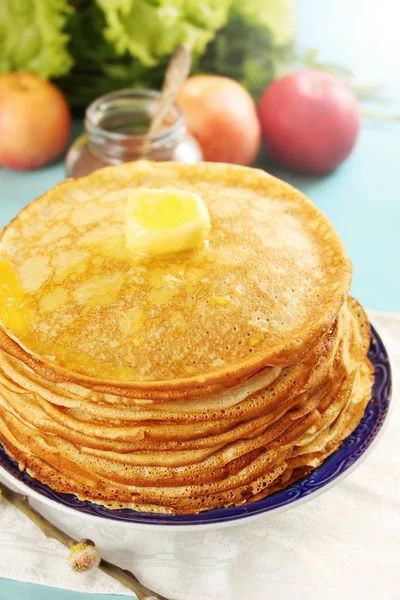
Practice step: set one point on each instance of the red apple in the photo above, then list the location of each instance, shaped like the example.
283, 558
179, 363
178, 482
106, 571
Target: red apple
35, 121
310, 121
222, 116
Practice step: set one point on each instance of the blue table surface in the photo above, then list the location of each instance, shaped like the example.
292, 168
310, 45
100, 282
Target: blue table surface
361, 198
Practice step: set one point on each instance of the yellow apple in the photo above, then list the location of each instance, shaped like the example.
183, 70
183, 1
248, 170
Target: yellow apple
35, 121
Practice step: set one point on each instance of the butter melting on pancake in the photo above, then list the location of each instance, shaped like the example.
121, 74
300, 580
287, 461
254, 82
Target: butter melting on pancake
268, 284
163, 222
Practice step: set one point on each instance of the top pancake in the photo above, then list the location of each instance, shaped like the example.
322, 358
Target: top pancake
268, 283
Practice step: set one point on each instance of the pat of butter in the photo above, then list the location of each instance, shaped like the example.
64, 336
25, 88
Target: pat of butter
161, 222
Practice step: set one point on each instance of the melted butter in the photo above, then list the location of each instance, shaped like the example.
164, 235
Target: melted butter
99, 290
54, 300
179, 321
220, 300
112, 248
170, 274
86, 364
15, 312
69, 263
132, 321
194, 274
161, 296
33, 272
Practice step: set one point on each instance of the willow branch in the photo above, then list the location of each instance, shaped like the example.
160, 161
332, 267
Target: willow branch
126, 578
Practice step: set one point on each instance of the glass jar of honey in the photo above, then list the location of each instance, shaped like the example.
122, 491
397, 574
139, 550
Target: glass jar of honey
116, 127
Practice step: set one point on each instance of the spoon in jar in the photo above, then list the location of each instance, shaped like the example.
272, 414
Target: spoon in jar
175, 76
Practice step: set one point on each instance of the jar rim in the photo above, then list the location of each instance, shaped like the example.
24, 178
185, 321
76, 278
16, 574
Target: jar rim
99, 106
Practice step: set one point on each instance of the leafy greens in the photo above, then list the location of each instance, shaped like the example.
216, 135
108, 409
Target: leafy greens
91, 47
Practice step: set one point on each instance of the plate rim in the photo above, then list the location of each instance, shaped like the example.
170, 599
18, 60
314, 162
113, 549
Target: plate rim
235, 520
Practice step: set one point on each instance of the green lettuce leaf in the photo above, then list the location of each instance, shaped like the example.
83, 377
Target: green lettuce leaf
98, 68
151, 29
127, 43
32, 37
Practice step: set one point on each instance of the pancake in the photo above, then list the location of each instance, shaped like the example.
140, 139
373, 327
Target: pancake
95, 314
198, 380
153, 464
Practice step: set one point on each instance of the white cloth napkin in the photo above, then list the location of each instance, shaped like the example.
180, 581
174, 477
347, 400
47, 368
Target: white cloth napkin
343, 545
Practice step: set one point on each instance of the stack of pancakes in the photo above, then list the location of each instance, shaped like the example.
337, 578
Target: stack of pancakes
181, 383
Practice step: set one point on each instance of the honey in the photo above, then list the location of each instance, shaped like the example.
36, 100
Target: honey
116, 127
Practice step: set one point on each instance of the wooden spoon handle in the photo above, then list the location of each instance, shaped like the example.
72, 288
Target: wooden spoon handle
176, 74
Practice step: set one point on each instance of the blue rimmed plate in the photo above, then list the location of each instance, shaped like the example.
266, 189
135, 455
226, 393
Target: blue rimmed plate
350, 454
